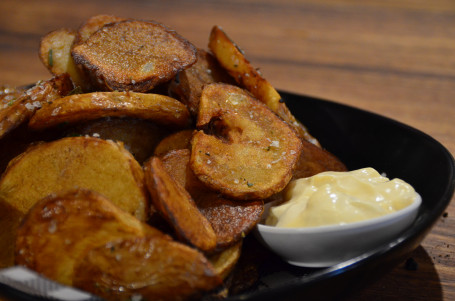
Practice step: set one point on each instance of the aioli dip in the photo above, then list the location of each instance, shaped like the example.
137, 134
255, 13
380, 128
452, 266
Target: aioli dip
336, 198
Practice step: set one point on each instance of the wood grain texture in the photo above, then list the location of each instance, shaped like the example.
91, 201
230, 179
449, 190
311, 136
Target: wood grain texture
392, 57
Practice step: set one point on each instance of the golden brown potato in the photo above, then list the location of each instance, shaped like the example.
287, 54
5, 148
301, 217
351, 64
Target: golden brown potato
19, 110
91, 163
55, 53
177, 207
188, 84
60, 229
8, 95
133, 55
147, 269
314, 160
93, 24
246, 151
138, 136
231, 57
225, 261
231, 220
177, 140
82, 107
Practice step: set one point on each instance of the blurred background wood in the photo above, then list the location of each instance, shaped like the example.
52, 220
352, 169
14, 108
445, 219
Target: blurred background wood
393, 57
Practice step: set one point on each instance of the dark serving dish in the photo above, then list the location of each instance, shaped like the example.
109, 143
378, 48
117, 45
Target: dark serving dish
359, 139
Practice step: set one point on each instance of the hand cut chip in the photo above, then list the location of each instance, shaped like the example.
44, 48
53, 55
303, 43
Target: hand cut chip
60, 229
91, 163
232, 58
231, 220
225, 261
314, 160
55, 53
147, 269
188, 84
82, 107
92, 25
244, 150
21, 109
138, 136
177, 207
177, 140
133, 55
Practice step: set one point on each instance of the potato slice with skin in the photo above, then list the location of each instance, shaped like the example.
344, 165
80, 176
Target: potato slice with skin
177, 207
231, 220
91, 163
55, 53
177, 140
138, 136
133, 55
60, 229
21, 109
92, 25
249, 152
146, 269
189, 83
231, 57
314, 160
225, 261
82, 107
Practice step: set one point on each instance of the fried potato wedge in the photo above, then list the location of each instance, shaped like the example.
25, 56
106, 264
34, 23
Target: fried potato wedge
133, 55
225, 261
152, 268
82, 107
138, 136
314, 160
87, 162
177, 207
246, 151
231, 57
188, 84
91, 163
231, 220
60, 229
8, 95
92, 25
19, 110
55, 53
177, 140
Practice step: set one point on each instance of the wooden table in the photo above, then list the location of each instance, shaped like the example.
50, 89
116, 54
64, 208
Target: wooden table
393, 57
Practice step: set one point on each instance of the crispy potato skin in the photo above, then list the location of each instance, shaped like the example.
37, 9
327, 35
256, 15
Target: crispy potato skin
177, 140
55, 54
249, 152
92, 25
139, 137
20, 110
60, 229
231, 57
225, 261
89, 106
91, 163
314, 160
188, 85
133, 55
154, 268
231, 220
177, 207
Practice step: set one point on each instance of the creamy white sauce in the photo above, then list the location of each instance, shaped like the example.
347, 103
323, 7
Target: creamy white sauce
335, 198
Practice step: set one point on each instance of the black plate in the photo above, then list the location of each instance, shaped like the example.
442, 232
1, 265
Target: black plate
359, 139
362, 139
